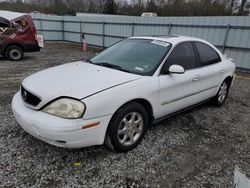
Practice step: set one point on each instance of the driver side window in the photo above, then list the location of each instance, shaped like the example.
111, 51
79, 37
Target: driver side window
183, 55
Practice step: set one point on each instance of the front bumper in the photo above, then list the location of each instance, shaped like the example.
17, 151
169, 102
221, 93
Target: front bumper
59, 131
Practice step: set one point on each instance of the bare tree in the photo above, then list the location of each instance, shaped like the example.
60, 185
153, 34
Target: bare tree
241, 9
109, 7
151, 6
130, 7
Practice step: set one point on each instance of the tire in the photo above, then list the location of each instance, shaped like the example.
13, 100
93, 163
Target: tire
14, 53
222, 94
4, 56
127, 127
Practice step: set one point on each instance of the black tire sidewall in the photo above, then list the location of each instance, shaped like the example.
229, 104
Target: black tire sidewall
7, 52
117, 118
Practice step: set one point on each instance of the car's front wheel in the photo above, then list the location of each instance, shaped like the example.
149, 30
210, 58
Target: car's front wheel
221, 96
14, 53
127, 127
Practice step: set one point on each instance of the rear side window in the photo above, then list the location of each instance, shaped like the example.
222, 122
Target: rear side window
183, 55
21, 24
207, 54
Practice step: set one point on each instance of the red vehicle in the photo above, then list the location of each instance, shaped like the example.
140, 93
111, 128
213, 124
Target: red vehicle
17, 35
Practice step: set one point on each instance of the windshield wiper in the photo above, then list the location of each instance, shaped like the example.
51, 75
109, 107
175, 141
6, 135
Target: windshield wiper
109, 65
105, 64
89, 61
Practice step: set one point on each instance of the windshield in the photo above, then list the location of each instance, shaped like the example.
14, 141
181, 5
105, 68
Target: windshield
139, 56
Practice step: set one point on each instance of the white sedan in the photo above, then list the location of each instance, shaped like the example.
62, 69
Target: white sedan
114, 96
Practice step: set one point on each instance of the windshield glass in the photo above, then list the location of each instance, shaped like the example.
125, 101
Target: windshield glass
139, 56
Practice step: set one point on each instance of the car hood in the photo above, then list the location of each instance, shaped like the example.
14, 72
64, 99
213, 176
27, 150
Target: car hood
78, 80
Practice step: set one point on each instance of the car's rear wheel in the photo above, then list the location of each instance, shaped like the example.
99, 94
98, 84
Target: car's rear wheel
221, 96
127, 127
14, 53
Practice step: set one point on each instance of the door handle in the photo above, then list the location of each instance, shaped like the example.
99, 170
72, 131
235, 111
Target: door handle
196, 78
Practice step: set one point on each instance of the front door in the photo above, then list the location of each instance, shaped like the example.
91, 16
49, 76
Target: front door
178, 91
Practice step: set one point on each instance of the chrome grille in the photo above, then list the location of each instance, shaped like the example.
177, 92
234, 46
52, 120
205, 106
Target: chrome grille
29, 97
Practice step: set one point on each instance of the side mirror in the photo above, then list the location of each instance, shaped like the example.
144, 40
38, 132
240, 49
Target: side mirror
176, 69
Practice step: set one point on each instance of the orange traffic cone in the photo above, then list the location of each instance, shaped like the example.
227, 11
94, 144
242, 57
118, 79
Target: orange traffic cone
84, 46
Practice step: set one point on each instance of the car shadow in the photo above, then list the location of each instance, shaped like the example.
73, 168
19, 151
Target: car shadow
3, 59
168, 120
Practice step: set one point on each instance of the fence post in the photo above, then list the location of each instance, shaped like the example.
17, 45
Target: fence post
133, 29
103, 34
63, 35
225, 38
41, 25
81, 31
169, 28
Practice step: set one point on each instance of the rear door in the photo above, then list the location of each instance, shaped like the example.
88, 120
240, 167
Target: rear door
211, 69
178, 91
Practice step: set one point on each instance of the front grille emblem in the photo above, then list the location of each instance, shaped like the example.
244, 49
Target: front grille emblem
29, 97
24, 94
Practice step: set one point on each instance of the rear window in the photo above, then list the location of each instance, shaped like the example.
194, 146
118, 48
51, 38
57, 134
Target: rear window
207, 54
4, 23
22, 23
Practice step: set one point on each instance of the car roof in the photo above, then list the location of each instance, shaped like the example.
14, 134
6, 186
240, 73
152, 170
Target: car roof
173, 39
10, 15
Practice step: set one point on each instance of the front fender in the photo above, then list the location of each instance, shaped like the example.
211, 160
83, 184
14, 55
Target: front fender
109, 101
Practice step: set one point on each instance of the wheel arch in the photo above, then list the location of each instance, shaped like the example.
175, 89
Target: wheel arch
147, 105
144, 102
228, 80
14, 44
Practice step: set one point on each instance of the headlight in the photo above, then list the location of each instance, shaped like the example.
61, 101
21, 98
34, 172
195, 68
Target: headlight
66, 108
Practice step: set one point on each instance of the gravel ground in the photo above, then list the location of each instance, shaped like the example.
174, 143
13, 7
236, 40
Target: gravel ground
198, 148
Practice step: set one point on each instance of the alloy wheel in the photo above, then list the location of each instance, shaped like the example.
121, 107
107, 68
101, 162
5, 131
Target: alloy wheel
15, 54
222, 92
130, 128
